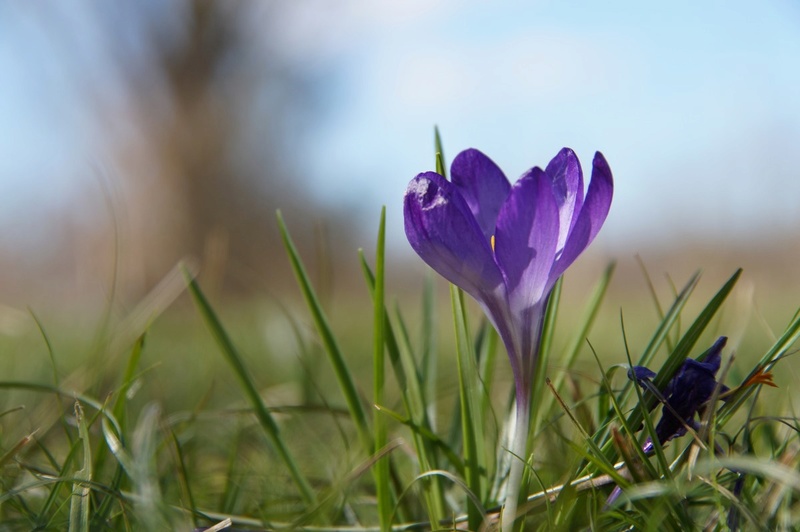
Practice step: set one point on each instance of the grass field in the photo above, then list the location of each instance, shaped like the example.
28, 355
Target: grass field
338, 416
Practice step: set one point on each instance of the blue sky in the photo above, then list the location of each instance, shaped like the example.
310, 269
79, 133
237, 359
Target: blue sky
694, 104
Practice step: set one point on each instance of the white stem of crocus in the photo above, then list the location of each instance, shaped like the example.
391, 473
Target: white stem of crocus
518, 449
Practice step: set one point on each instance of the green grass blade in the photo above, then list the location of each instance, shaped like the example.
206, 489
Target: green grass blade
120, 413
404, 368
183, 476
649, 427
653, 295
46, 514
117, 448
430, 358
150, 509
245, 380
486, 349
56, 380
466, 384
48, 345
408, 377
424, 444
381, 466
233, 485
79, 503
540, 372
567, 360
403, 363
437, 142
128, 378
487, 354
665, 325
642, 459
594, 455
345, 379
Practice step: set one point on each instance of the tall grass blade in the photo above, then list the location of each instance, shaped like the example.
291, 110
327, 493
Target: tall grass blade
594, 455
48, 345
46, 514
653, 295
79, 503
648, 424
150, 509
183, 476
570, 355
409, 379
429, 359
381, 467
340, 368
151, 306
486, 348
245, 380
542, 362
439, 150
120, 413
128, 378
425, 445
665, 325
231, 493
471, 427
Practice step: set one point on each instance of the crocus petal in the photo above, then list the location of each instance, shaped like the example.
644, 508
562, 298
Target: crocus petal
566, 178
714, 357
639, 374
442, 230
687, 392
591, 217
526, 238
482, 184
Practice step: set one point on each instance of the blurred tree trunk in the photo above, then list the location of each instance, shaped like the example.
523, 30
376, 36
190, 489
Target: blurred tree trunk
208, 196
190, 112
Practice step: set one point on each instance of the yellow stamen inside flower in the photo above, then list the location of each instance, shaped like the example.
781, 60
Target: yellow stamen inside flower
491, 241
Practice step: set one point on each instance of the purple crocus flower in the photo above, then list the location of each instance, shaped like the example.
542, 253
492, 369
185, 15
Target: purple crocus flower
686, 394
506, 246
